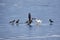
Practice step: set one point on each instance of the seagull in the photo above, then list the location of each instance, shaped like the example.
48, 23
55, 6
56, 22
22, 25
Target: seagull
50, 20
29, 19
17, 21
12, 21
38, 21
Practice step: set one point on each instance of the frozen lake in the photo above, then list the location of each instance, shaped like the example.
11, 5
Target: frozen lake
19, 9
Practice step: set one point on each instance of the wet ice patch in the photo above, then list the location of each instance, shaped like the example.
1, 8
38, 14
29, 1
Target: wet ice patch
55, 35
32, 37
